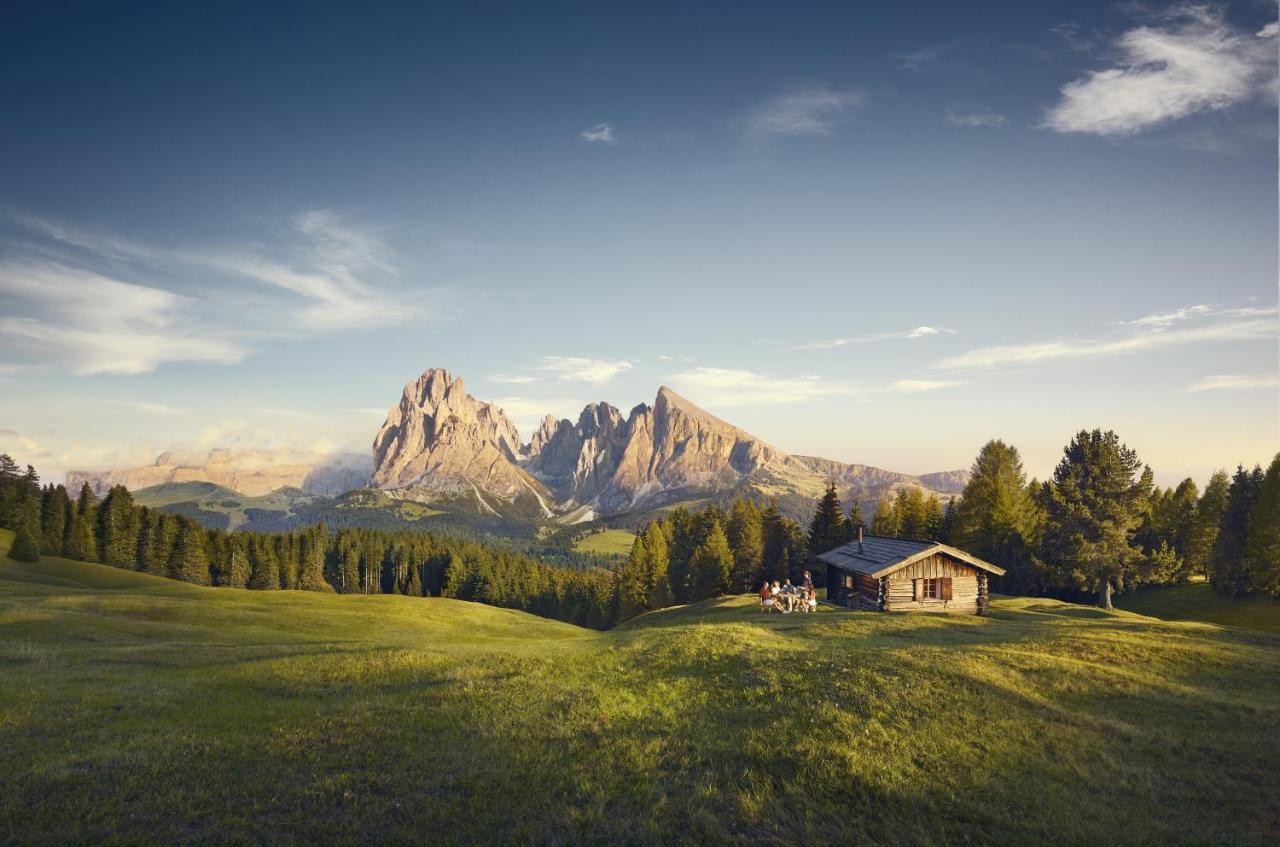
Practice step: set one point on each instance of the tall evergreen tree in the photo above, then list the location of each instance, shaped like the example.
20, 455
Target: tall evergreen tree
995, 516
1095, 503
711, 566
1228, 564
827, 530
190, 559
53, 519
311, 575
116, 529
656, 549
633, 582
1262, 538
1208, 520
746, 540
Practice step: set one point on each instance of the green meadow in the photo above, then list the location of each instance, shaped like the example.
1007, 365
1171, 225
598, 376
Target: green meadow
608, 542
1197, 601
138, 710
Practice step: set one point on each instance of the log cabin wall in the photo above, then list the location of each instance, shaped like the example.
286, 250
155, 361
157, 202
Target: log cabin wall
901, 594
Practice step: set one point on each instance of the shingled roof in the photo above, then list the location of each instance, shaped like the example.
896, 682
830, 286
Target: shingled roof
877, 556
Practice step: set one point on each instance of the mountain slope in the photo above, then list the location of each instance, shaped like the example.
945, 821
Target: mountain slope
132, 703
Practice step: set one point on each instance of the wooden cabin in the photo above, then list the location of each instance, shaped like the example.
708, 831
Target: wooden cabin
892, 574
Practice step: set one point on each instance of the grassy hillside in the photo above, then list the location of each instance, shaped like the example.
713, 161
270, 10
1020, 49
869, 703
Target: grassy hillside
1198, 602
606, 542
139, 710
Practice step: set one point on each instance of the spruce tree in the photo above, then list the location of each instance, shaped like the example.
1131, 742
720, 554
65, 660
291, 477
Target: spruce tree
1262, 538
311, 576
53, 519
237, 575
659, 588
80, 544
116, 529
885, 522
1208, 520
1228, 565
26, 545
1095, 504
633, 582
996, 516
711, 565
827, 529
746, 540
414, 587
190, 559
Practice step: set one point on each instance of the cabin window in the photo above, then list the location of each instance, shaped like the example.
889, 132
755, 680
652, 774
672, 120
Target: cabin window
934, 589
847, 580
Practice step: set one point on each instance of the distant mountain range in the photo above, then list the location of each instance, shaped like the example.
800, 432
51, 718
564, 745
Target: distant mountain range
442, 446
439, 442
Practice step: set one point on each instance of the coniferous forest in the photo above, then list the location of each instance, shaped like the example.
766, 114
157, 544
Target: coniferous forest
1097, 526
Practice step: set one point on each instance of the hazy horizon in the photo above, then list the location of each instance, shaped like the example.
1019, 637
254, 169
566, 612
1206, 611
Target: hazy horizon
881, 236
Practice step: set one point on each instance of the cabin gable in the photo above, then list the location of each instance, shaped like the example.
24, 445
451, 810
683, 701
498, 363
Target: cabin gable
936, 583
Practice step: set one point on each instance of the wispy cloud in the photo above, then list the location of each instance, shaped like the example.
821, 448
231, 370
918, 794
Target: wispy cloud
916, 332
917, 386
1234, 382
98, 325
1202, 310
924, 59
105, 304
1145, 337
725, 387
146, 408
812, 109
580, 369
974, 116
514, 379
1193, 62
602, 133
20, 446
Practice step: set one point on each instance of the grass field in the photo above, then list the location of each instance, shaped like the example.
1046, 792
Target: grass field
1199, 602
609, 542
139, 710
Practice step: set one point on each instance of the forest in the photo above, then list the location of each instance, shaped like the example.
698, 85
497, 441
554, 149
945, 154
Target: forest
1098, 525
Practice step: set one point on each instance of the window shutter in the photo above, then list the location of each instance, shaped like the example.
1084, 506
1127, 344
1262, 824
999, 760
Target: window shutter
946, 587
915, 589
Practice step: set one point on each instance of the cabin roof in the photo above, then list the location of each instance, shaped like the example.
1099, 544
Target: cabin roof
877, 556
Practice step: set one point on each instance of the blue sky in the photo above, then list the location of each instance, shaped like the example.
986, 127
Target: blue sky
880, 233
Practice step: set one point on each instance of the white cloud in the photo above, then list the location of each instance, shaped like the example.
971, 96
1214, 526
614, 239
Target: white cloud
916, 386
27, 448
579, 369
1234, 382
96, 324
724, 387
157, 409
926, 58
1195, 62
974, 116
907, 334
602, 133
514, 379
806, 110
1245, 325
1202, 310
198, 304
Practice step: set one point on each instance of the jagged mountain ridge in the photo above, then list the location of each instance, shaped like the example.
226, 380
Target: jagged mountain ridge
440, 441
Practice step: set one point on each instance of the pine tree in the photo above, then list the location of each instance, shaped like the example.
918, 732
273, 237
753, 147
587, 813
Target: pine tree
711, 565
80, 544
827, 530
946, 529
26, 545
633, 582
1095, 504
116, 529
746, 540
1262, 539
885, 523
854, 521
659, 588
10, 478
1208, 520
996, 515
414, 587
237, 574
1228, 565
190, 559
311, 576
53, 519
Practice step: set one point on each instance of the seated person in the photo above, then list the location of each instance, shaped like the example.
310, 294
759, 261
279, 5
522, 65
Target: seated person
766, 596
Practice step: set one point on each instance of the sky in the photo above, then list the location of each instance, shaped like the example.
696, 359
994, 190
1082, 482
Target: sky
879, 232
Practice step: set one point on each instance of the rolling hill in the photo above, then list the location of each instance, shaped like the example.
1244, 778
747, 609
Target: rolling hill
141, 710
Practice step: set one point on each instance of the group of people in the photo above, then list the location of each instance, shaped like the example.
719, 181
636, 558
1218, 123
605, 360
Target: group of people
788, 598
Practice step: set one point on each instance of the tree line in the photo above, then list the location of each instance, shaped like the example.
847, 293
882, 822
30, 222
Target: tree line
118, 532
